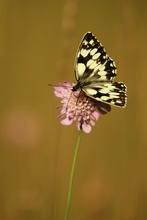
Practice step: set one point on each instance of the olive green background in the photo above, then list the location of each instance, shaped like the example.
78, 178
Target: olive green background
38, 43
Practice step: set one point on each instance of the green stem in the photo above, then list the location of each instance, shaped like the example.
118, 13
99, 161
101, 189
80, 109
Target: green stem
72, 176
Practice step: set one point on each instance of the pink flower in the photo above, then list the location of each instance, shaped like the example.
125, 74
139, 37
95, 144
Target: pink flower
75, 105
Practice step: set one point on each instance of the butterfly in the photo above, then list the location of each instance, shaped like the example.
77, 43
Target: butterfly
95, 72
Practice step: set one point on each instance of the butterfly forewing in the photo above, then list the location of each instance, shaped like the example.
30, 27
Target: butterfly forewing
95, 71
92, 62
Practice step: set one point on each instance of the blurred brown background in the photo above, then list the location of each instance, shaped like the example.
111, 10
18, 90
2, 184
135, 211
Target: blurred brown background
38, 43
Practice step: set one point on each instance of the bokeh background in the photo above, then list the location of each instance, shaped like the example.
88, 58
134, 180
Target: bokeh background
38, 43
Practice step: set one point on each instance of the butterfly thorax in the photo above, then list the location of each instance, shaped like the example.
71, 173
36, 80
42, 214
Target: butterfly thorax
79, 86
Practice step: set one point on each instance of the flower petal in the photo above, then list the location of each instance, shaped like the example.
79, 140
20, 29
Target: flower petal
96, 115
92, 122
78, 125
67, 84
66, 121
58, 94
86, 127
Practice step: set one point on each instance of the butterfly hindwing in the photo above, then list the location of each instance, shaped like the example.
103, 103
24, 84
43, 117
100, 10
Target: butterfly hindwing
110, 93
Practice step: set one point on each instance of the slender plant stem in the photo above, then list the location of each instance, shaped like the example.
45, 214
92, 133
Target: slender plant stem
72, 176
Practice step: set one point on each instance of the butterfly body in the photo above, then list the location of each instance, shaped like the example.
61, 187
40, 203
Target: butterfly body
95, 72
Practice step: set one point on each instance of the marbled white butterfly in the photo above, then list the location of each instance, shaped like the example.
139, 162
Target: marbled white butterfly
94, 72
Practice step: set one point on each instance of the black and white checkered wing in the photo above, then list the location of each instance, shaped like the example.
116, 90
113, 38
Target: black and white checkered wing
112, 93
92, 61
95, 72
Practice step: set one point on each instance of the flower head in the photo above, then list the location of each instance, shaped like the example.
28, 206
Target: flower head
76, 106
